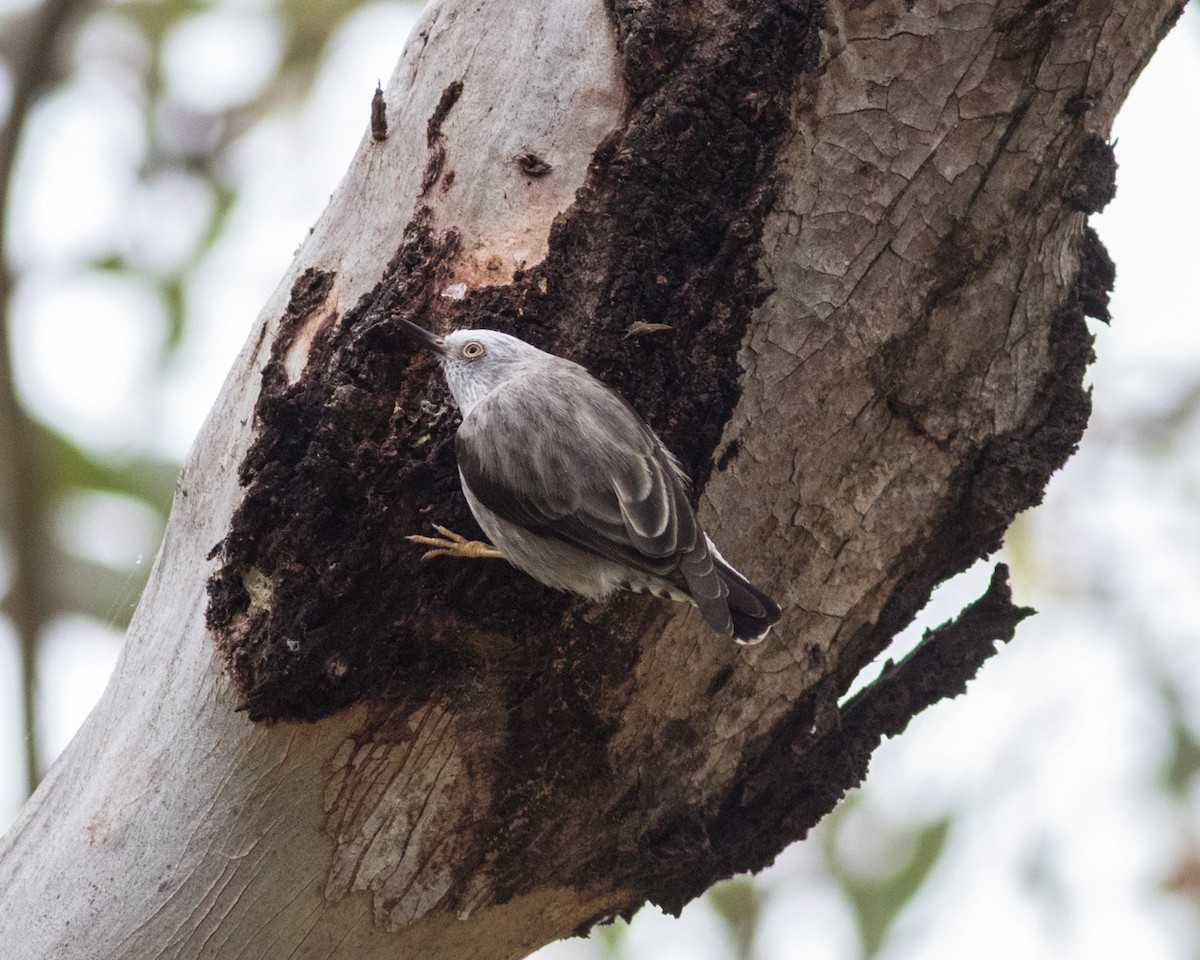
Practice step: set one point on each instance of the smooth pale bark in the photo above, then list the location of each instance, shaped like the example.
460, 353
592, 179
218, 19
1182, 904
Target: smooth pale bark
920, 256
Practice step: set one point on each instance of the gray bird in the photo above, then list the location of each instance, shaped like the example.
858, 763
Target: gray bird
574, 488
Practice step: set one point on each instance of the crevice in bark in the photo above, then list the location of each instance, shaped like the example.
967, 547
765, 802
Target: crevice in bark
434, 138
789, 782
309, 604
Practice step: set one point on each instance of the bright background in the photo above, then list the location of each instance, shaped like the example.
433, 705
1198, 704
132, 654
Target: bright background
174, 156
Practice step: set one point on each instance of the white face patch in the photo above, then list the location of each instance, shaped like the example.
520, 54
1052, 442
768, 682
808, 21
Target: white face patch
479, 361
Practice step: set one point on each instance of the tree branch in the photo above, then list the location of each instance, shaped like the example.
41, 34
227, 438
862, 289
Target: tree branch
875, 274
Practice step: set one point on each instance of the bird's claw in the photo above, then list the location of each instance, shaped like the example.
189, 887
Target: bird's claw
451, 544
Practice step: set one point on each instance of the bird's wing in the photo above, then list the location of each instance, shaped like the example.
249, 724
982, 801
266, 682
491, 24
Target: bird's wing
573, 460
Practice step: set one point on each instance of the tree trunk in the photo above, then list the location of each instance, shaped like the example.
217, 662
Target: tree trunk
864, 229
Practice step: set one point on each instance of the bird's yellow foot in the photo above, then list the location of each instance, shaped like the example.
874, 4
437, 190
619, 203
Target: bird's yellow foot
450, 544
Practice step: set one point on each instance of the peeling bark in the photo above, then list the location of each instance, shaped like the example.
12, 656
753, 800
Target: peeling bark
837, 256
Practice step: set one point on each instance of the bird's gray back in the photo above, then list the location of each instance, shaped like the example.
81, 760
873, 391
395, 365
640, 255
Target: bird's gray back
556, 451
555, 432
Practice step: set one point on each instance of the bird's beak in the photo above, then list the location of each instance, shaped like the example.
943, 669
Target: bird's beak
423, 338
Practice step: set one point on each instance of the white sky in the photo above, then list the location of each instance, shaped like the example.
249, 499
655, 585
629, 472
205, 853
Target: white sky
1050, 759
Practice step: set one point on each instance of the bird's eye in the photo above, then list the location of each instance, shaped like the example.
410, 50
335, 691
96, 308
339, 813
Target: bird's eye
472, 350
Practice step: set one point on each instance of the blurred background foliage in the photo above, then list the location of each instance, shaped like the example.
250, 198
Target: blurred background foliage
159, 162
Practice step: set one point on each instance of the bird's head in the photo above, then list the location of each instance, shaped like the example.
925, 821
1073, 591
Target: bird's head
476, 362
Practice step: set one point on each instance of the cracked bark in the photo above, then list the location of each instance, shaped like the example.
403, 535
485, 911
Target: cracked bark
854, 239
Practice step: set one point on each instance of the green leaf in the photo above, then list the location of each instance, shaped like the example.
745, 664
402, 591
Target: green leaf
610, 938
877, 899
65, 465
738, 903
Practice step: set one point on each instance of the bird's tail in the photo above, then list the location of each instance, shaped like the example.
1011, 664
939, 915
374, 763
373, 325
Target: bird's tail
728, 601
752, 611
